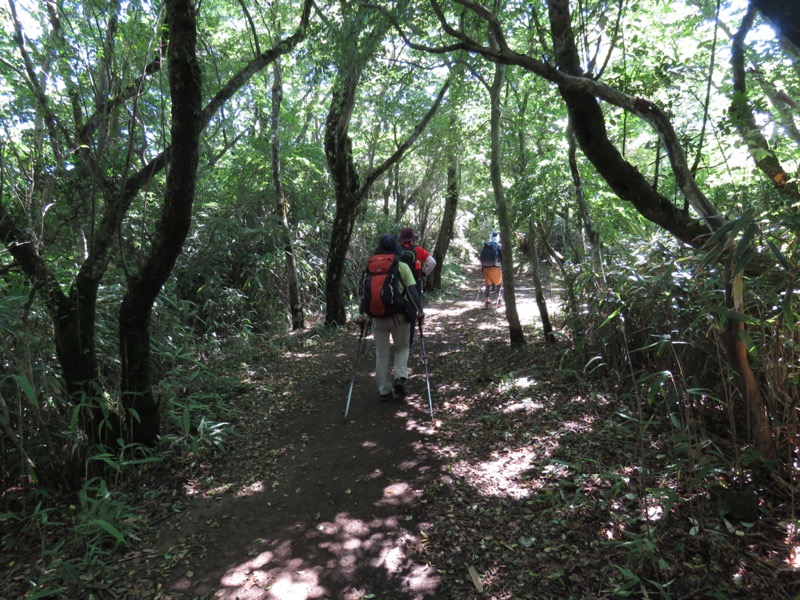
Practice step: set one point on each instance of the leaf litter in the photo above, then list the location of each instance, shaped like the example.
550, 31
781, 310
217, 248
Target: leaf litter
531, 483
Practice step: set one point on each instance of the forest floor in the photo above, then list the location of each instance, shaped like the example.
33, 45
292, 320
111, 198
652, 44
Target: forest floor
532, 481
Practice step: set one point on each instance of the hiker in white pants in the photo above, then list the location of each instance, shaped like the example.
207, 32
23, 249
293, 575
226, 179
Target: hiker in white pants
396, 327
392, 327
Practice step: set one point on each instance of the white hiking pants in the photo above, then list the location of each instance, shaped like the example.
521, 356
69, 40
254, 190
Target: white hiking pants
398, 328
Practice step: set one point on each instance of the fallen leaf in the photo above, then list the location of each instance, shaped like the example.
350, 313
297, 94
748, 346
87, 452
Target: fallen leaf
476, 579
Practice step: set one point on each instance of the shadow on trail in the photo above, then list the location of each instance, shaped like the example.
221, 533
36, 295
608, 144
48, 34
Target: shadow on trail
334, 514
554, 490
314, 507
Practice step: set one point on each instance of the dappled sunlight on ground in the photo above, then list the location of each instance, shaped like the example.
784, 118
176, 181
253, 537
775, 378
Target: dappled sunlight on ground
473, 306
289, 586
579, 426
253, 488
456, 309
536, 488
525, 405
499, 475
301, 355
278, 570
398, 494
322, 509
518, 383
591, 400
485, 326
277, 573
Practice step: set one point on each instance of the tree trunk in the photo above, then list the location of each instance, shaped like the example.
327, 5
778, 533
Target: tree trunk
516, 336
627, 182
387, 197
77, 355
749, 130
74, 316
568, 279
136, 309
782, 14
760, 428
533, 256
348, 191
592, 237
339, 156
434, 280
295, 307
624, 179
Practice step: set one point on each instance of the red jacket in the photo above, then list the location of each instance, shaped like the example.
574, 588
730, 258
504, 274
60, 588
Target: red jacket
422, 254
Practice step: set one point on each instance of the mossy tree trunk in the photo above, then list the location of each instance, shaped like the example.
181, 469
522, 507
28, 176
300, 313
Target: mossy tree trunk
434, 280
281, 211
515, 333
172, 228
541, 302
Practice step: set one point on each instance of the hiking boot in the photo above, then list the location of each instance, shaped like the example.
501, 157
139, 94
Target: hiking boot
387, 397
486, 304
400, 387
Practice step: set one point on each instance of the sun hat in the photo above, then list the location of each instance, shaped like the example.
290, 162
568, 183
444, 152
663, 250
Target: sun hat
407, 235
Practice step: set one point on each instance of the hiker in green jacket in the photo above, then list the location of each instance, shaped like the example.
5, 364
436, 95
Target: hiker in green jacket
390, 324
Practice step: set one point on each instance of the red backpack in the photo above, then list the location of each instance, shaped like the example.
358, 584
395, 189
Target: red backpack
382, 292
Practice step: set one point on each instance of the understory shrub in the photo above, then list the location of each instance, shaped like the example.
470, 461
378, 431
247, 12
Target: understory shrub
659, 325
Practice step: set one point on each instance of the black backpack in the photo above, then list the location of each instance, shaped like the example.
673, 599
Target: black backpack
409, 256
382, 294
489, 254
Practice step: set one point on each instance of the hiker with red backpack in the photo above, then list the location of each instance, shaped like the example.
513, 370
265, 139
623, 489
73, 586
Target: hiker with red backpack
390, 297
491, 257
420, 260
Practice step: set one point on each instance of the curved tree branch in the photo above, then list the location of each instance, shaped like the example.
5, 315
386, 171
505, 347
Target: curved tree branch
116, 210
376, 173
582, 92
742, 115
623, 177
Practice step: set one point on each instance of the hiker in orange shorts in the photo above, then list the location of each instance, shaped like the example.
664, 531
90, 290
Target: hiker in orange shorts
491, 257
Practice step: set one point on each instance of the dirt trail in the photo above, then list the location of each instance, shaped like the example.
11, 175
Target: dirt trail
320, 507
531, 488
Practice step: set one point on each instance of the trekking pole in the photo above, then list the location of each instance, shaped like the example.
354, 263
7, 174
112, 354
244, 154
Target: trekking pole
425, 362
362, 342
